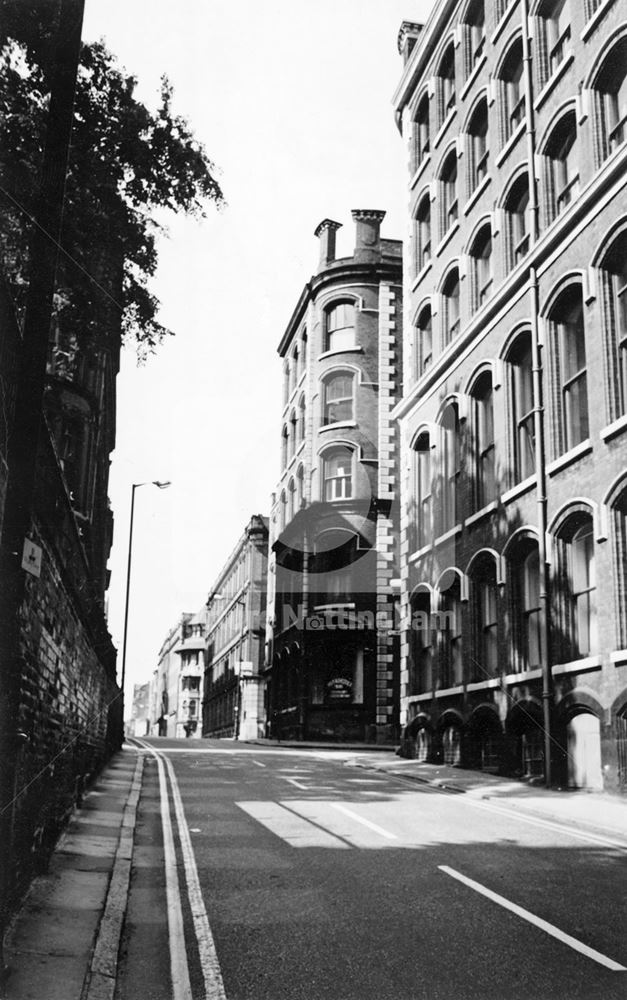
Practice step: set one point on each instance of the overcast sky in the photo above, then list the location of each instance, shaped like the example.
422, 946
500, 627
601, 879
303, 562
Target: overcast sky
292, 100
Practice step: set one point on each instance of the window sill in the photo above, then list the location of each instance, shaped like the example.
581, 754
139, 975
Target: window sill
618, 657
480, 514
519, 489
473, 77
500, 28
569, 458
421, 275
578, 666
451, 533
338, 425
524, 676
341, 350
447, 692
594, 20
511, 142
419, 553
446, 124
553, 80
476, 194
446, 239
420, 171
419, 697
492, 682
616, 427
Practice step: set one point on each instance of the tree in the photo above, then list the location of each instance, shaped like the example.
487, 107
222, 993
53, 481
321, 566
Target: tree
126, 164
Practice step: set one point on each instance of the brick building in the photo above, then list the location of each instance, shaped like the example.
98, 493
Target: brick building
514, 411
330, 670
176, 685
236, 612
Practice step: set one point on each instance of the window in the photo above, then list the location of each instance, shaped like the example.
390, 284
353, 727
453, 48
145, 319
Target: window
338, 398
481, 254
292, 434
473, 35
284, 444
301, 420
512, 90
619, 554
555, 21
501, 7
592, 6
583, 589
451, 468
295, 368
521, 394
517, 230
421, 131
614, 277
478, 147
526, 606
451, 661
420, 639
569, 333
448, 192
445, 78
286, 382
291, 489
423, 343
451, 312
338, 474
563, 172
484, 606
300, 487
424, 499
610, 88
341, 326
485, 482
422, 235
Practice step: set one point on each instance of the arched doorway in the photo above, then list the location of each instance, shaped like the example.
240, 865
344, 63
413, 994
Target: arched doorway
583, 740
485, 740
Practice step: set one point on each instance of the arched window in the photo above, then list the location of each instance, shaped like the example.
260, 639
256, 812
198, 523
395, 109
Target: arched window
282, 510
473, 28
422, 234
420, 644
338, 474
300, 487
295, 366
481, 255
450, 468
554, 35
619, 538
445, 81
423, 485
291, 490
512, 94
562, 165
284, 446
421, 131
423, 343
292, 435
484, 606
301, 420
449, 207
576, 586
610, 87
303, 350
451, 665
478, 145
569, 349
338, 398
286, 382
521, 397
340, 324
483, 412
516, 221
451, 312
525, 606
614, 277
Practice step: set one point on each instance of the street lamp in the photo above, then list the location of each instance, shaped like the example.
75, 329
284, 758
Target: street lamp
135, 486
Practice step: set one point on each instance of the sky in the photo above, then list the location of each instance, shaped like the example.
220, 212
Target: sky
292, 101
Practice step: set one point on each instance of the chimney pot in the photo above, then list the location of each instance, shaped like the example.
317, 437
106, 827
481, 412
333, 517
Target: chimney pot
367, 227
326, 233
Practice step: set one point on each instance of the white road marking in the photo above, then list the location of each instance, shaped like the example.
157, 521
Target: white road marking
258, 763
294, 781
546, 824
293, 829
214, 986
181, 987
366, 822
555, 932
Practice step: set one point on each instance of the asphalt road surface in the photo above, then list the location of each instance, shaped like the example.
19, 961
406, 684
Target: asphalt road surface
274, 874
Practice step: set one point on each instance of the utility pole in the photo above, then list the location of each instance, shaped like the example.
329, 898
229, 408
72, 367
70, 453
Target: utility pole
27, 418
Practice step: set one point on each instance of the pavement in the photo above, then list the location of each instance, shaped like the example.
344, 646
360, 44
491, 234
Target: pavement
64, 942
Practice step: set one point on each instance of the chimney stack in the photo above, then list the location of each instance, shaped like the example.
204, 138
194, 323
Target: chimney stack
408, 35
367, 226
326, 233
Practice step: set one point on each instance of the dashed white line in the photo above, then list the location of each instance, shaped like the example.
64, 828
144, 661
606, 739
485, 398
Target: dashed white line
366, 822
258, 763
544, 925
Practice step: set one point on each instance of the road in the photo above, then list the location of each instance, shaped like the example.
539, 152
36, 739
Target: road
293, 875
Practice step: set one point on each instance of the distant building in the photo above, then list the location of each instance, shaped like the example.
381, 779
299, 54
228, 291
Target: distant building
332, 643
140, 711
176, 685
233, 703
514, 410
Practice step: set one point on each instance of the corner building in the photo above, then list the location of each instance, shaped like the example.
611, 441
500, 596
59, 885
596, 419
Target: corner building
514, 410
331, 651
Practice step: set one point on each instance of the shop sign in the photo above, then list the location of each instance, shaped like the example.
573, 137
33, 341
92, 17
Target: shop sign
340, 689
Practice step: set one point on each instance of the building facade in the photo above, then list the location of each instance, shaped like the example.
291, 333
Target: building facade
177, 681
331, 644
233, 704
514, 411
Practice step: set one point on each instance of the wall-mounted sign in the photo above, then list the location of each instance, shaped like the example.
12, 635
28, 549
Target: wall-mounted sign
31, 558
340, 689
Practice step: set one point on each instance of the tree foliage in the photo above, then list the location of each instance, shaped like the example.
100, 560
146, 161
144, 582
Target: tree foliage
126, 165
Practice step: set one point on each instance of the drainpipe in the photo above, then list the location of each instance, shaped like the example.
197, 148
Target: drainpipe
538, 410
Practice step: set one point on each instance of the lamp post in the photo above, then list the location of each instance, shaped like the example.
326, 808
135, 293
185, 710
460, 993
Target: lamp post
135, 486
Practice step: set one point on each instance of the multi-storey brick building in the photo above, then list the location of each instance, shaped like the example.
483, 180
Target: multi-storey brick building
514, 409
177, 681
236, 617
334, 525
